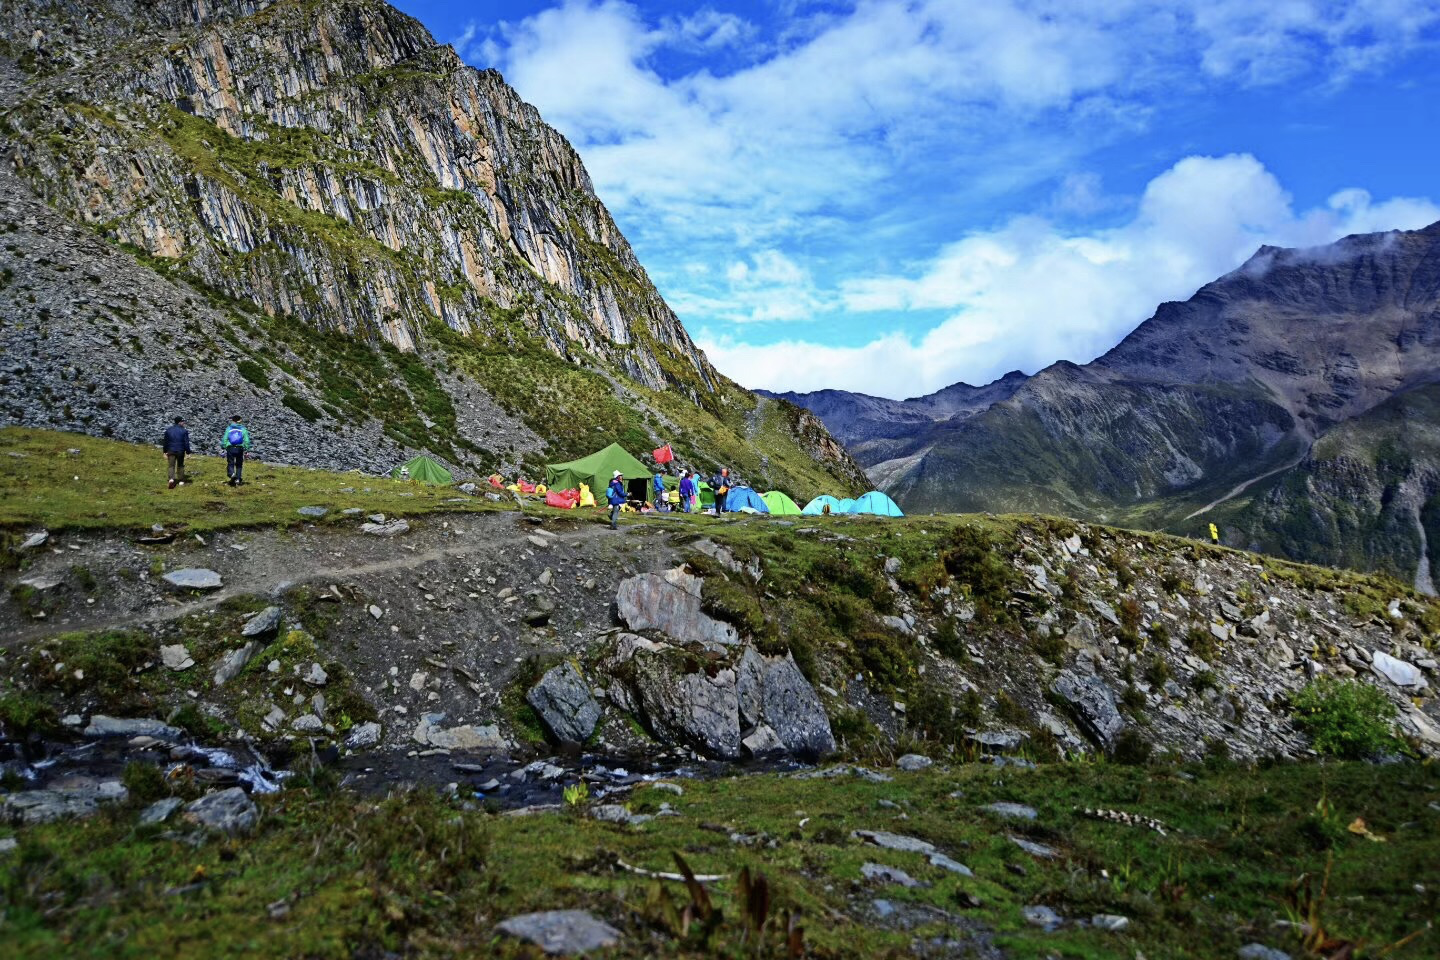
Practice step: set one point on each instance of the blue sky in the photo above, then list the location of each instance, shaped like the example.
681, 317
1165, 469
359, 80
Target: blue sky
893, 195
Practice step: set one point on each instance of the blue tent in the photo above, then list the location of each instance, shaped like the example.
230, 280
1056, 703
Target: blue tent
741, 497
878, 504
846, 506
816, 507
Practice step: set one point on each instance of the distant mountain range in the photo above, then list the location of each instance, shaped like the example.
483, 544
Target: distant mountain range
1294, 401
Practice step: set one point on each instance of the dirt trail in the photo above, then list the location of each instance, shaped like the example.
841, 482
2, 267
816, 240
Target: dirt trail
273, 561
1242, 487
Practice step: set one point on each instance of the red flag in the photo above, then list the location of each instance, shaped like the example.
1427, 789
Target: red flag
664, 454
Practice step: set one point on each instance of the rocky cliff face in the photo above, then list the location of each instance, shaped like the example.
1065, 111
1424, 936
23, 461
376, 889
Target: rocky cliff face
1203, 401
330, 162
388, 243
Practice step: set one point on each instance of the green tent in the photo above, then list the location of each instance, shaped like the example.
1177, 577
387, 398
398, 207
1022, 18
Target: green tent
707, 496
780, 505
596, 470
425, 470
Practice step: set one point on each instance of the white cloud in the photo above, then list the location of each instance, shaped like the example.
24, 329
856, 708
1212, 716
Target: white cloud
1027, 294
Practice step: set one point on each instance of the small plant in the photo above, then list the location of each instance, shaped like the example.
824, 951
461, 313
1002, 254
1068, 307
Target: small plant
1157, 671
1131, 748
1205, 680
576, 794
1345, 718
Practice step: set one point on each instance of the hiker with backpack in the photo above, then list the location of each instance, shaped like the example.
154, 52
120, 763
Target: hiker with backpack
661, 501
616, 495
235, 442
175, 443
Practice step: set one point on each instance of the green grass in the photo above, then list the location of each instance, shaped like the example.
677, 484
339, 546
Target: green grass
120, 486
421, 876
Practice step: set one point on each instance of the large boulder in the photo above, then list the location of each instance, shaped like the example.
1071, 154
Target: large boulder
1093, 704
718, 704
670, 603
563, 700
686, 703
793, 710
224, 811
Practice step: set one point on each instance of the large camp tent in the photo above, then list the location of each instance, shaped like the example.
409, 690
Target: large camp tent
596, 471
845, 506
739, 498
816, 507
780, 505
878, 504
425, 470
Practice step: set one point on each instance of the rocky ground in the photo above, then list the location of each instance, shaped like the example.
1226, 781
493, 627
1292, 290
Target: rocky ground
198, 684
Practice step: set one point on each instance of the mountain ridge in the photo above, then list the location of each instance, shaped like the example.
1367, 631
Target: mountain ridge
1230, 387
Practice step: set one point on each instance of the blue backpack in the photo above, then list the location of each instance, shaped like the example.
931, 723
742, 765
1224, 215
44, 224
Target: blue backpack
235, 436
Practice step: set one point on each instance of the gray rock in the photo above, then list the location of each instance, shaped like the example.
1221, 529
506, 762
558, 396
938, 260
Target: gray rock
1109, 921
997, 741
1104, 611
46, 806
1039, 915
615, 813
102, 726
363, 735
1093, 703
895, 841
670, 603
314, 513
565, 704
954, 866
913, 762
1398, 672
793, 709
42, 582
1258, 951
160, 810
750, 687
8, 845
392, 529
1035, 849
884, 874
194, 578
266, 621
233, 662
1010, 811
486, 739
35, 540
176, 657
308, 723
561, 932
762, 742
224, 811
316, 676
695, 709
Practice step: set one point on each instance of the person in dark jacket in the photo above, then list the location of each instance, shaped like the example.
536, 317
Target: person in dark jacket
721, 484
176, 443
235, 442
615, 493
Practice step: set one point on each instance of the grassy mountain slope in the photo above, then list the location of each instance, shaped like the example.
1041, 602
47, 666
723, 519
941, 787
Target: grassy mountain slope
320, 217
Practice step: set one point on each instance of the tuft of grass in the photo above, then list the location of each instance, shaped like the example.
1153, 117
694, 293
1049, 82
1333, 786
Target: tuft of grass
1345, 718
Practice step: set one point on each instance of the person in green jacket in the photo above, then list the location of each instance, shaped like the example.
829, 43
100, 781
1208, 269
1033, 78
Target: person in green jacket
235, 442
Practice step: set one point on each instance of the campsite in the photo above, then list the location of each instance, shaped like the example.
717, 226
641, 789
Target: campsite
572, 484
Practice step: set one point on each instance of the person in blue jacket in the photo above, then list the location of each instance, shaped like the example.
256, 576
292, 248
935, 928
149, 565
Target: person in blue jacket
661, 503
616, 495
176, 443
235, 442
